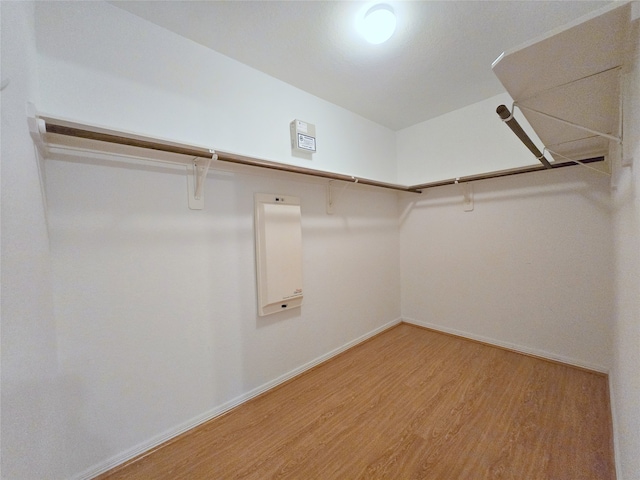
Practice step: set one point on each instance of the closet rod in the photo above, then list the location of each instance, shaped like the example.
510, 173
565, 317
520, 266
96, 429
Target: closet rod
507, 117
63, 127
242, 160
502, 173
50, 126
129, 141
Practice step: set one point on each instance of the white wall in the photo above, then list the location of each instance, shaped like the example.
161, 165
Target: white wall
625, 379
139, 319
529, 268
33, 426
105, 66
128, 317
464, 142
156, 315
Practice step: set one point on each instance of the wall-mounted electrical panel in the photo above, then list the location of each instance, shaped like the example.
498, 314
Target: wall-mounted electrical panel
303, 136
278, 252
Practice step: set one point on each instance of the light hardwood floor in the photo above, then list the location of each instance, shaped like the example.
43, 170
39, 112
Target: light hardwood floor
409, 403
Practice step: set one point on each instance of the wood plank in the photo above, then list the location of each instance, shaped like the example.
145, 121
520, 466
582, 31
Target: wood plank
409, 403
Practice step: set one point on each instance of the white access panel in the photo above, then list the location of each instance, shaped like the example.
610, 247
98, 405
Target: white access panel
278, 252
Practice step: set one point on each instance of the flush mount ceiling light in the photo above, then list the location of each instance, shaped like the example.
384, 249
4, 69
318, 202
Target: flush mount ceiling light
377, 24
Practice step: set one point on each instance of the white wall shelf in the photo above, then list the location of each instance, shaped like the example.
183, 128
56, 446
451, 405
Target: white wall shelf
49, 132
567, 83
52, 132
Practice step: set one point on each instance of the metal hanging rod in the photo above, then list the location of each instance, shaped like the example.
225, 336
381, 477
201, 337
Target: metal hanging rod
503, 173
242, 160
512, 123
80, 131
129, 141
50, 125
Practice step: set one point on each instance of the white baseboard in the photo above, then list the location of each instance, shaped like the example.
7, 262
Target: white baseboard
510, 346
219, 410
614, 425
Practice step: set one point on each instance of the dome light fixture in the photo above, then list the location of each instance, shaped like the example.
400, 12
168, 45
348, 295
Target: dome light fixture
378, 24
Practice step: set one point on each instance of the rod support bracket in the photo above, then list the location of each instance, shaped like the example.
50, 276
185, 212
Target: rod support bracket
467, 194
467, 197
196, 175
332, 196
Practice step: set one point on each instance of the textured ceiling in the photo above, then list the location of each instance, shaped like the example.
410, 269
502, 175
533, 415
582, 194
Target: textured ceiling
438, 60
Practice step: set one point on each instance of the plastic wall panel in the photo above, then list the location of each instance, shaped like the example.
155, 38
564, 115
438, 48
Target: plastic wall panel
278, 252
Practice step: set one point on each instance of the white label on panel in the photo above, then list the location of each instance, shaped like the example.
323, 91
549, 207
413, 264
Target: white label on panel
306, 142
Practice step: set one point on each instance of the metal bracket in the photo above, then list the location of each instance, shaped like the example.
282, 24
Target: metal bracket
467, 195
196, 174
578, 162
332, 198
571, 124
37, 128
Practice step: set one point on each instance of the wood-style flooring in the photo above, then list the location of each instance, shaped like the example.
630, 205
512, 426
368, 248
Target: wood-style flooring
409, 403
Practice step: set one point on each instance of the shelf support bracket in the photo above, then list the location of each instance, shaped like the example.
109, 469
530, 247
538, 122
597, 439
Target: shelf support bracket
571, 124
578, 162
332, 198
196, 175
467, 195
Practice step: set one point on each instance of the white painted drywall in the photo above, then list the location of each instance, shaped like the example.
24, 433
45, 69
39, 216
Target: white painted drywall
156, 310
132, 317
140, 318
464, 142
105, 66
625, 376
34, 426
530, 267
